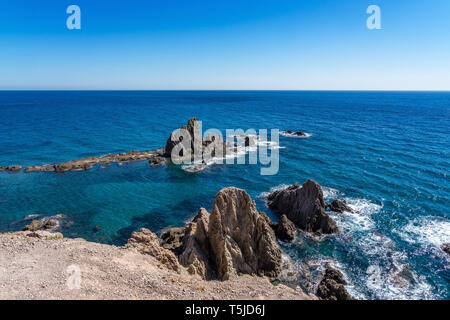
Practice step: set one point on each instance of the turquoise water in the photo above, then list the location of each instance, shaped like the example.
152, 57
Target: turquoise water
386, 153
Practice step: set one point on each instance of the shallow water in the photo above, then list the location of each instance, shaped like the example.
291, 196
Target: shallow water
386, 153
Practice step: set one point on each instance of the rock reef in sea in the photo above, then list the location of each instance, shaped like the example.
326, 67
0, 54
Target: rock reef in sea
15, 168
304, 206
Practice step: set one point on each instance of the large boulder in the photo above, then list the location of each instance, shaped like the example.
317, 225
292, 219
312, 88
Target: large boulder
146, 242
332, 285
240, 239
175, 138
304, 206
285, 230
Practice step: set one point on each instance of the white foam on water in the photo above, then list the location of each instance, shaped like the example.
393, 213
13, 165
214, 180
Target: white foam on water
279, 187
231, 154
426, 230
330, 194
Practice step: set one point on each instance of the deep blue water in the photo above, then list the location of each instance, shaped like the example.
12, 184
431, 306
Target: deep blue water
386, 153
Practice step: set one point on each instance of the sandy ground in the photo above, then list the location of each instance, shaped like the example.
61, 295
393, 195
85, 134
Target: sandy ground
32, 268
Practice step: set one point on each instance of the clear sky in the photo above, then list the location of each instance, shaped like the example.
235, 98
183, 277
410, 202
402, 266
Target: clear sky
225, 44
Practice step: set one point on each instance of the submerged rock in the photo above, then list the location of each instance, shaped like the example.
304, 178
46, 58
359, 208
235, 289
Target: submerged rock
339, 206
146, 242
332, 285
304, 206
285, 230
446, 247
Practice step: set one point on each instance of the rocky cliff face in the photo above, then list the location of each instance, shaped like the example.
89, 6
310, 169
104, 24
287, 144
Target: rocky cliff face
234, 239
241, 240
304, 206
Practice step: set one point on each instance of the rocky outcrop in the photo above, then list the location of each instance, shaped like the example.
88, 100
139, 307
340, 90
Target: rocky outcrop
339, 206
446, 248
146, 242
11, 168
285, 230
196, 251
203, 147
304, 206
51, 224
332, 285
33, 226
234, 239
240, 238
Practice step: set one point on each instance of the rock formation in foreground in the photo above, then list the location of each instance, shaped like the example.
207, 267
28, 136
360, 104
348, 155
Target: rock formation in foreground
285, 230
332, 285
146, 242
234, 239
304, 206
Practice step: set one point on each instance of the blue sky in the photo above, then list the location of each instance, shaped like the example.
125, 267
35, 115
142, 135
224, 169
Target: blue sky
225, 44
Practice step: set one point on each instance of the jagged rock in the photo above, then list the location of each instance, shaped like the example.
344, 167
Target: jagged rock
33, 226
11, 168
205, 148
332, 285
146, 242
339, 206
240, 239
172, 239
446, 247
304, 206
175, 138
157, 161
285, 230
196, 255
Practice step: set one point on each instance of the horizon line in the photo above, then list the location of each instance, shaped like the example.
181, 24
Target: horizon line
260, 90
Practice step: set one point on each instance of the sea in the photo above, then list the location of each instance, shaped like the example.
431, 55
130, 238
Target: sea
387, 154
